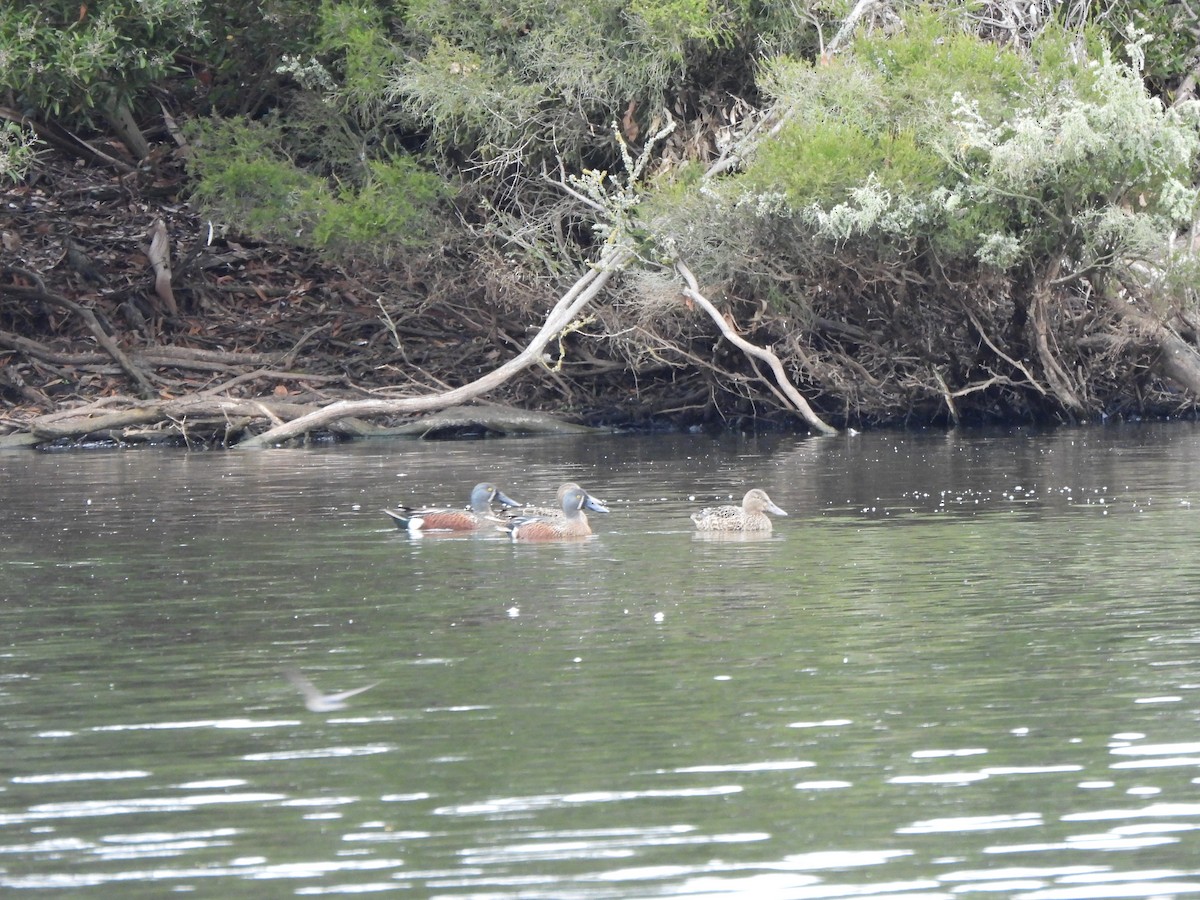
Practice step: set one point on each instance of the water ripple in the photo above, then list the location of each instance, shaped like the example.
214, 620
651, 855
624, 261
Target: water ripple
955, 824
550, 801
964, 778
1031, 770
1155, 810
1158, 763
319, 753
1114, 885
253, 871
93, 808
780, 886
597, 847
939, 778
1097, 842
1158, 749
78, 776
200, 723
779, 766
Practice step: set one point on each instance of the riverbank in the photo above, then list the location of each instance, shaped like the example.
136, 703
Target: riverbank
98, 346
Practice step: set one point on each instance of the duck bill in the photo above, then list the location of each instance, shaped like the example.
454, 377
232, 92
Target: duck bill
505, 500
775, 509
594, 505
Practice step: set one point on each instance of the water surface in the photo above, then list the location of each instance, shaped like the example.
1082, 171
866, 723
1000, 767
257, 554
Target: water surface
963, 666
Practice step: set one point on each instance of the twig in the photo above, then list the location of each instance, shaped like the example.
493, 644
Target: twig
268, 413
391, 325
225, 386
145, 388
982, 386
692, 292
946, 396
1016, 364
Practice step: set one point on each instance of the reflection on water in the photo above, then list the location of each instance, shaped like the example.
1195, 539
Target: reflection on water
963, 666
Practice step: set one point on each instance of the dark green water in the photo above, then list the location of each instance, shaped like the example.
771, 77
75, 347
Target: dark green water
963, 666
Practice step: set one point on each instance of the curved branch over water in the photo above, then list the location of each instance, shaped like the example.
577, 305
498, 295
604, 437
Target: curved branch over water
568, 307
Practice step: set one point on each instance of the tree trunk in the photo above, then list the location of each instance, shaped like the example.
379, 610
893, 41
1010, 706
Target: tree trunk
1177, 360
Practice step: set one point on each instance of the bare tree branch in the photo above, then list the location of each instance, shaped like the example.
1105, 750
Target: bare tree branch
692, 292
136, 375
568, 307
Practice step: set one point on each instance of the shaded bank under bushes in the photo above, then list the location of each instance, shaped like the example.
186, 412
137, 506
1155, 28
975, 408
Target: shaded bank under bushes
264, 333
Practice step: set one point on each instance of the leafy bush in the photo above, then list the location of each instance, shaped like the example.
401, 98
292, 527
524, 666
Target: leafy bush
78, 63
395, 210
1163, 33
525, 80
70, 59
243, 178
936, 56
355, 38
17, 152
977, 151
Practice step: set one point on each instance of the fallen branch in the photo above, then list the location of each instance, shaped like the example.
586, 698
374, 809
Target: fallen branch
692, 292
160, 356
488, 417
145, 388
1177, 360
848, 26
1016, 364
98, 419
65, 140
560, 316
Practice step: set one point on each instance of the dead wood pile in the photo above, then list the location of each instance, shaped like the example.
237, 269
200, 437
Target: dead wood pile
94, 346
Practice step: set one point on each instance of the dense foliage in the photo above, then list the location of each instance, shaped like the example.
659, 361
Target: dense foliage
935, 140
930, 208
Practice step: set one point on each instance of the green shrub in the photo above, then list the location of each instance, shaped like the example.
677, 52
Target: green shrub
67, 58
354, 36
392, 212
241, 177
1158, 37
938, 138
17, 152
244, 178
529, 81
934, 57
673, 25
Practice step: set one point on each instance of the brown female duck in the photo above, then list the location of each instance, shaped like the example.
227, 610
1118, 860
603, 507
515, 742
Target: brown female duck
529, 512
750, 516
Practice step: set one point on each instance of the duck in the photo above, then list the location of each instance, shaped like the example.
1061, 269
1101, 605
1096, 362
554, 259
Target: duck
529, 512
431, 518
571, 522
750, 516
